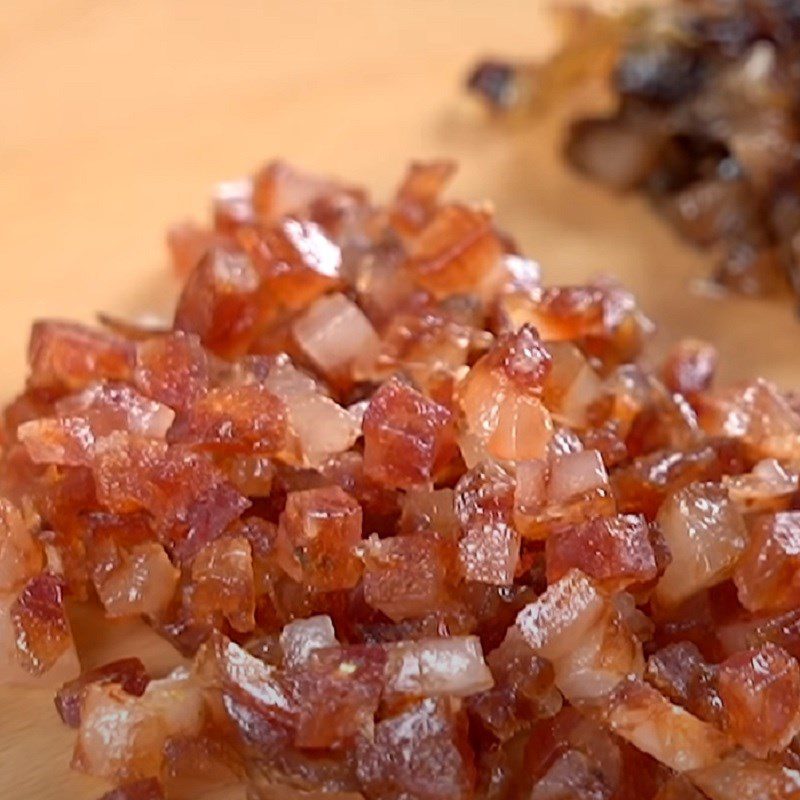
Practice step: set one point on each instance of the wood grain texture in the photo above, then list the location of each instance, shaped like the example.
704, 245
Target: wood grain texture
117, 118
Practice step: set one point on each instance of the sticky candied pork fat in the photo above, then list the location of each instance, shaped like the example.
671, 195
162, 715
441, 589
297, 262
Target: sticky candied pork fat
318, 533
423, 527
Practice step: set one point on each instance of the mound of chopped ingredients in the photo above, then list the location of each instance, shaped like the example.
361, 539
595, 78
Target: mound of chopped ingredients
707, 123
429, 530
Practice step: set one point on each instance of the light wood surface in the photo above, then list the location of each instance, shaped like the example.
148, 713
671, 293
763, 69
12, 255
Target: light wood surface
117, 118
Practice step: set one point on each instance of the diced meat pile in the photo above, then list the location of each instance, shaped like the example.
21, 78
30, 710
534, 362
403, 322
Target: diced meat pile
428, 529
706, 123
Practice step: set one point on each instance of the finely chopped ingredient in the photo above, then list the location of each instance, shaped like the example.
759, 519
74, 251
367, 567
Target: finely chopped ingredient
428, 530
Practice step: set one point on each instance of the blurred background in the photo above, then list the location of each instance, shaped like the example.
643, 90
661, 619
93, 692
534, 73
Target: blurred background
118, 118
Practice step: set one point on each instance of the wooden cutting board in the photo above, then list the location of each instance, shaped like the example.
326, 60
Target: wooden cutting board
117, 118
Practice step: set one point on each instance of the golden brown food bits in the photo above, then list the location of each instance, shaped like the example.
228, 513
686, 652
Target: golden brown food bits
427, 528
